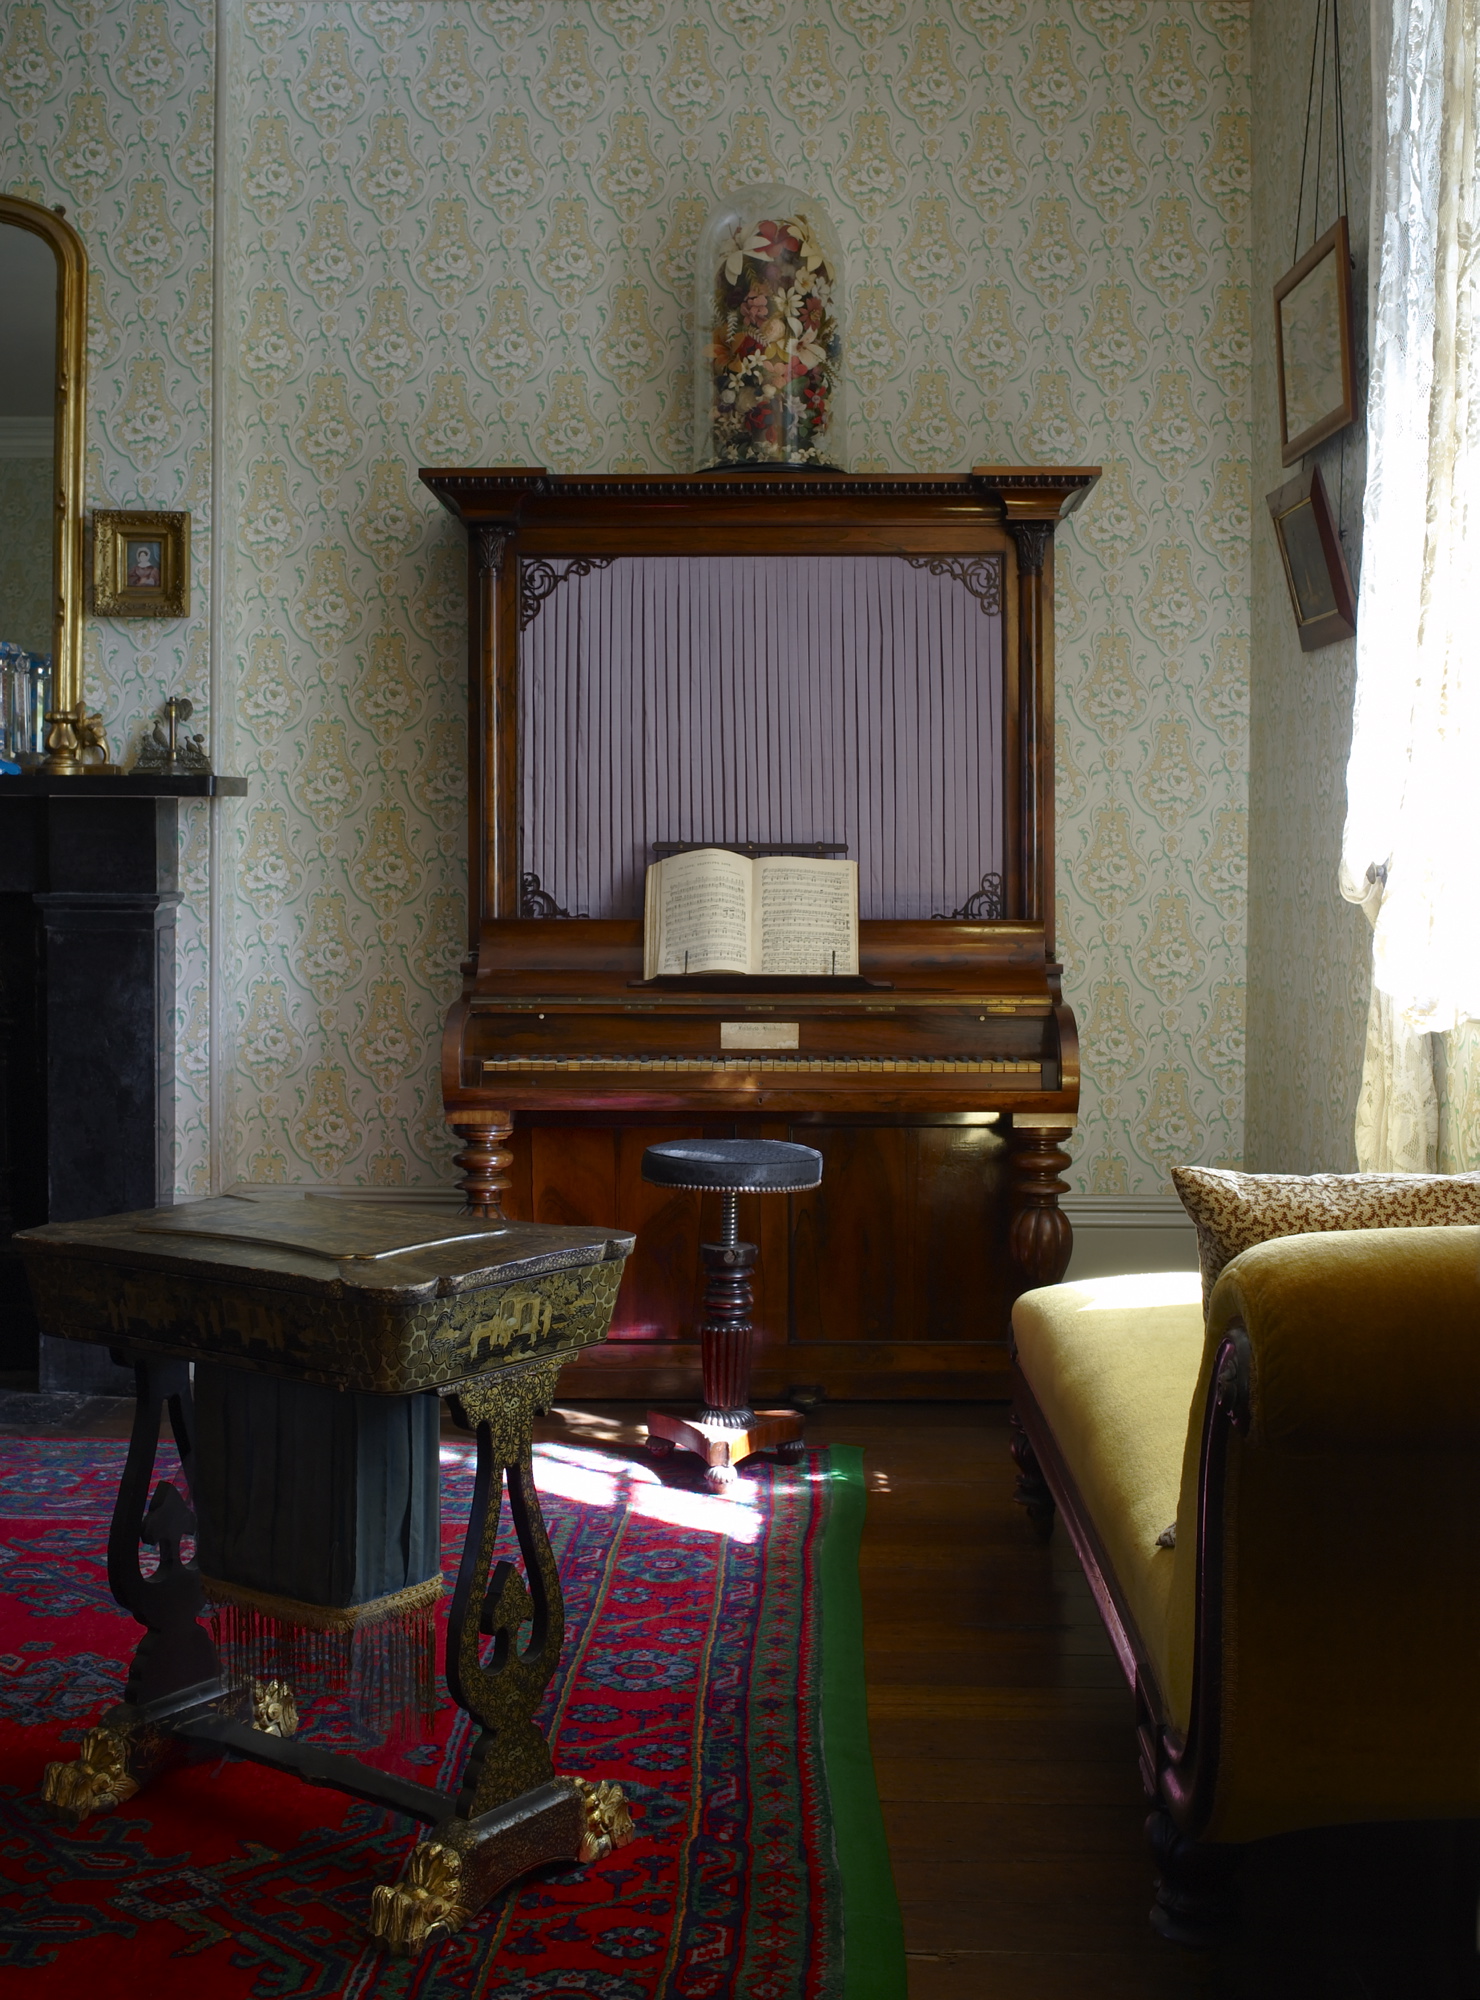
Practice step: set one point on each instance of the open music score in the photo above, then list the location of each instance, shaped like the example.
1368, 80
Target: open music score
777, 916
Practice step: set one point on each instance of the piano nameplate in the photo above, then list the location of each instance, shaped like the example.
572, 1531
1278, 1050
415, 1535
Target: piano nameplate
782, 1065
760, 1034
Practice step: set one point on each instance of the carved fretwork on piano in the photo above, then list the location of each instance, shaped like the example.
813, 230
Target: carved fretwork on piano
915, 723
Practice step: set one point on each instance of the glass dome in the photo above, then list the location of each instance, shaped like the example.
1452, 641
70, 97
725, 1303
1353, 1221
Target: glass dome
768, 333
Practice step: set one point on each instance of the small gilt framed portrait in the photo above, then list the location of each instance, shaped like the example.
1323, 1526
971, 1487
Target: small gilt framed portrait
1321, 593
141, 564
1315, 359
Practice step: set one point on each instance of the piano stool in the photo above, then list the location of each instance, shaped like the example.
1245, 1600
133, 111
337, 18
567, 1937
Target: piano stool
727, 1429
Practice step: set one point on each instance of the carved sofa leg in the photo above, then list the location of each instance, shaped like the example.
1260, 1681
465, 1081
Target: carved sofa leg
1196, 1901
1032, 1490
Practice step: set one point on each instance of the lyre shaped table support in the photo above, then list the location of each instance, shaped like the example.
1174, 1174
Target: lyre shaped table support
512, 1812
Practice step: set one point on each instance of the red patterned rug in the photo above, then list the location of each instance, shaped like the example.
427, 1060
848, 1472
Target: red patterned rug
713, 1666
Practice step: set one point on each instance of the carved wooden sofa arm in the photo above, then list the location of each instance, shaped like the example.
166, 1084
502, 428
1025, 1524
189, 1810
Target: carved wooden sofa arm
1303, 1650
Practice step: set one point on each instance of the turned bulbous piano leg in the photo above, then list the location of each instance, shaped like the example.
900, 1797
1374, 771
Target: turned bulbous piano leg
1040, 1238
485, 1161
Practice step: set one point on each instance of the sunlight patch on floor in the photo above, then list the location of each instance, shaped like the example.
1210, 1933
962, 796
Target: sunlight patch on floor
595, 1479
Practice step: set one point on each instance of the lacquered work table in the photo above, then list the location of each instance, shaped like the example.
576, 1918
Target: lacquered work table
351, 1309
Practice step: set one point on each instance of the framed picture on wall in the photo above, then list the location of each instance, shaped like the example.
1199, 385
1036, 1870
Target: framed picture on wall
141, 564
1320, 584
1315, 360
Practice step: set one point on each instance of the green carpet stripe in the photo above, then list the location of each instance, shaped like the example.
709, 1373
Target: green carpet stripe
873, 1936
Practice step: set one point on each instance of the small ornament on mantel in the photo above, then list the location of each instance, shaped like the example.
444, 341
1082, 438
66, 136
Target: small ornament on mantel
768, 334
166, 752
93, 753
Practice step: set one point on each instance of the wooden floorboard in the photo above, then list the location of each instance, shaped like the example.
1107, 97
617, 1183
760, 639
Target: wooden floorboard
1003, 1731
1004, 1749
1036, 1975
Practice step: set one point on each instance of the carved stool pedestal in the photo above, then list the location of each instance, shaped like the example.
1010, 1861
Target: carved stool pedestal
727, 1430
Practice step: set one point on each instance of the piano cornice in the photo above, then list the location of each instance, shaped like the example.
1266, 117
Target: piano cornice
1012, 492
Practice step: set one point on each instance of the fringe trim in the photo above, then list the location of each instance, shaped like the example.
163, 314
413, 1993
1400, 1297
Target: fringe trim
382, 1654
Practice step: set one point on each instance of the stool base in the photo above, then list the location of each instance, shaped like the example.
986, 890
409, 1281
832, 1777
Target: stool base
723, 1446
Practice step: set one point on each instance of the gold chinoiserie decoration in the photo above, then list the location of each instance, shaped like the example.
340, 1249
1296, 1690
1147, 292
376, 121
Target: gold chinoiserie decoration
512, 1811
509, 1754
97, 1781
426, 1342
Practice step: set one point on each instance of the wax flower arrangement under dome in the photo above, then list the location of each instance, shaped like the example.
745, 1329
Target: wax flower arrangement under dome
768, 334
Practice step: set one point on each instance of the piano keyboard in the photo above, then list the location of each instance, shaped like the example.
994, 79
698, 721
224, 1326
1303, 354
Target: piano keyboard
785, 1065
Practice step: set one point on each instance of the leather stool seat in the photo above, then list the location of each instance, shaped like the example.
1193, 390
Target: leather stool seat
733, 1166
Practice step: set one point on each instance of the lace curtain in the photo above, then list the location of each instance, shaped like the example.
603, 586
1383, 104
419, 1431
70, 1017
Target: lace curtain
1413, 781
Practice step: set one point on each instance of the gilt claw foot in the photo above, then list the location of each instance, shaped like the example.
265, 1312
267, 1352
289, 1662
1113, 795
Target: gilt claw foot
608, 1819
97, 1781
425, 1905
274, 1709
463, 1862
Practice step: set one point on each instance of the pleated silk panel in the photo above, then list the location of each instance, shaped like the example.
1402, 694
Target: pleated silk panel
771, 699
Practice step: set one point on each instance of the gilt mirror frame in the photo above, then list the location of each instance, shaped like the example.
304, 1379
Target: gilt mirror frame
67, 531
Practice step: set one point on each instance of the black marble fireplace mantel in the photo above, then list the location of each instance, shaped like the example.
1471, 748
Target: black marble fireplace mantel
124, 785
89, 883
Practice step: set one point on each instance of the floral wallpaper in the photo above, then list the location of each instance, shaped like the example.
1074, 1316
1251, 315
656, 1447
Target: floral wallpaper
108, 110
1310, 953
25, 552
463, 233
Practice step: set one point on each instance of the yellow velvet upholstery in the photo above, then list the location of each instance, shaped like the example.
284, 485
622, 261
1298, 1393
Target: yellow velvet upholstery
1350, 1664
1351, 1685
1113, 1364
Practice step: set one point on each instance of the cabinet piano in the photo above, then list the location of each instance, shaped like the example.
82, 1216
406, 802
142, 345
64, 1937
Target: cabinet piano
765, 659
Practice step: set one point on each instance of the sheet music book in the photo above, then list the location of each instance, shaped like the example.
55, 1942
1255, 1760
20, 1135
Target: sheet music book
781, 914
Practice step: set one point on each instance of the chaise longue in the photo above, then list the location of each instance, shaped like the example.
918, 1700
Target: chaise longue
1277, 1507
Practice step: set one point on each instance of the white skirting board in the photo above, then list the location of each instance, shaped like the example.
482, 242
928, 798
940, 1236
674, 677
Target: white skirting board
1119, 1233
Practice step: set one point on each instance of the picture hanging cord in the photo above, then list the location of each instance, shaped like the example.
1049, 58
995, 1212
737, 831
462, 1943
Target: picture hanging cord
1325, 44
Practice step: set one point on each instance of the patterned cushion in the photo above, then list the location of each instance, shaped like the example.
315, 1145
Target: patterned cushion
1232, 1212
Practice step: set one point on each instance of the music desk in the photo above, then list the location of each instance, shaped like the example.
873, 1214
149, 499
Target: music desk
319, 1333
